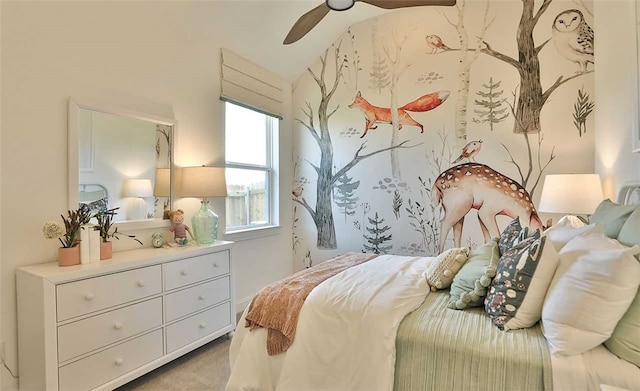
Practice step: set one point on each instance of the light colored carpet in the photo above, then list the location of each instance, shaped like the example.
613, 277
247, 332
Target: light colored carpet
206, 368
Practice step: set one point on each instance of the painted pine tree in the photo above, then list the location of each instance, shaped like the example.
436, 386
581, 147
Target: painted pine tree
377, 238
379, 74
344, 196
491, 102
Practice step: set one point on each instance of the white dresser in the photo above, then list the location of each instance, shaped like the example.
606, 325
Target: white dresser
100, 325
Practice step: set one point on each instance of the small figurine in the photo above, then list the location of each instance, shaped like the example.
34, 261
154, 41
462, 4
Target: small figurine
178, 227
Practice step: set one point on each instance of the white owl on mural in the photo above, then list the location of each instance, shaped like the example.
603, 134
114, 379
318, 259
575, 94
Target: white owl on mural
573, 38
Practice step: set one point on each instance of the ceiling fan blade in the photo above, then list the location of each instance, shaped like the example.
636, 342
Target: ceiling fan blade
306, 23
392, 4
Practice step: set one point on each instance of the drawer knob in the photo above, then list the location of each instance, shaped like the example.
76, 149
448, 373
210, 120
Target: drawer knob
88, 296
183, 272
117, 325
119, 361
201, 297
140, 283
203, 325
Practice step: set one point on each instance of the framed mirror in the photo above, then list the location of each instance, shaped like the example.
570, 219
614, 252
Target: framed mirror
121, 159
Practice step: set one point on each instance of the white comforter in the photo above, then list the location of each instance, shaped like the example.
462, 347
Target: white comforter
345, 339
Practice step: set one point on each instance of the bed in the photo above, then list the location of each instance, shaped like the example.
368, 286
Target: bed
94, 197
362, 330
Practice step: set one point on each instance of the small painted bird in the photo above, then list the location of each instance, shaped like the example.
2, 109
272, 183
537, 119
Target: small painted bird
469, 151
434, 43
297, 192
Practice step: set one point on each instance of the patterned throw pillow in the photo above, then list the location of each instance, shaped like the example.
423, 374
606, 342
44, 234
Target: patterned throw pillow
518, 290
469, 286
513, 234
445, 266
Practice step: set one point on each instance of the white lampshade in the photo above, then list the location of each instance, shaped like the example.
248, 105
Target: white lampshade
137, 188
202, 182
162, 184
571, 194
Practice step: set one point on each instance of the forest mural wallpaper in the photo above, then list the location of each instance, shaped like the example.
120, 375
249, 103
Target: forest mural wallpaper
465, 108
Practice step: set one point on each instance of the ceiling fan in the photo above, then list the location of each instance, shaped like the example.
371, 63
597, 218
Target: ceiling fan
313, 17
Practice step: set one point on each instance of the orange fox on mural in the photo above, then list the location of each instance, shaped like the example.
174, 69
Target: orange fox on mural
476, 186
374, 114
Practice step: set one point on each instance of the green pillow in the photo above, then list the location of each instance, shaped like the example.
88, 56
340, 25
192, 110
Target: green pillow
612, 215
630, 232
469, 286
625, 341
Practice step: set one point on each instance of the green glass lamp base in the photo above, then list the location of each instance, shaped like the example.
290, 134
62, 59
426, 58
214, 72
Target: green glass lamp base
205, 225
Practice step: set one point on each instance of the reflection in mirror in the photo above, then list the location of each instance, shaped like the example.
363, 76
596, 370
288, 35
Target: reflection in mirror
123, 161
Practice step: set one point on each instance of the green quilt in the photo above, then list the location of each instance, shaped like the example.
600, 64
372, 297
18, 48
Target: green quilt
442, 349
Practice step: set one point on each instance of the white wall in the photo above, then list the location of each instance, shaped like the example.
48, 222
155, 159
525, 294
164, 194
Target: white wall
156, 57
616, 84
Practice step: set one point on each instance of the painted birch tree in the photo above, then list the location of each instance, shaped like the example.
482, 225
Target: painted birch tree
467, 56
398, 66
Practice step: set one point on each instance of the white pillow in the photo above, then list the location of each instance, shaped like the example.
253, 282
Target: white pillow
595, 282
568, 228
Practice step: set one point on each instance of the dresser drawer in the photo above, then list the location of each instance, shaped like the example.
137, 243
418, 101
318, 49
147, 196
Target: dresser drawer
186, 301
93, 294
195, 327
192, 270
93, 333
107, 365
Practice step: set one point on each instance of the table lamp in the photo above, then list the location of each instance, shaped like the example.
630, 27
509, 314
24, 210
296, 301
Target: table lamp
575, 194
138, 189
203, 182
162, 188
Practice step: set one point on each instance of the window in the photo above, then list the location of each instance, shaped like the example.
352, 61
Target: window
250, 151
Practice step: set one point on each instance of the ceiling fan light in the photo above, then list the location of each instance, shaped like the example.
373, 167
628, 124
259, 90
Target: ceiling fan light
340, 5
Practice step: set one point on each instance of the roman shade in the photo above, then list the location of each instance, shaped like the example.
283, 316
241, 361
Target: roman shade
247, 84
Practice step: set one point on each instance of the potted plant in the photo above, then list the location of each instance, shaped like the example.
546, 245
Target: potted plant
68, 234
105, 222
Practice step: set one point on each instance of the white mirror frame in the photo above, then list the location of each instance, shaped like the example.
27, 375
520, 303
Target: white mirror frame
635, 140
73, 158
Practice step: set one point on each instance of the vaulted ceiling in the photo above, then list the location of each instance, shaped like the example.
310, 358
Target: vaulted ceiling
255, 30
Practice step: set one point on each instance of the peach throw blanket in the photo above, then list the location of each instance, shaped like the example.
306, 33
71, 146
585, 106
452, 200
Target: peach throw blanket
277, 306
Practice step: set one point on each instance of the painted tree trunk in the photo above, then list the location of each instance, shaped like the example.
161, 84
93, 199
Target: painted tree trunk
324, 214
464, 71
530, 98
395, 121
461, 103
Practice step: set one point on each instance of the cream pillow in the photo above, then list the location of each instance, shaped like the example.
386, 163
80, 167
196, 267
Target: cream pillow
568, 228
595, 282
444, 267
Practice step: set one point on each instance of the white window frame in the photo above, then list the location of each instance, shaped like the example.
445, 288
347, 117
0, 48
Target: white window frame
270, 227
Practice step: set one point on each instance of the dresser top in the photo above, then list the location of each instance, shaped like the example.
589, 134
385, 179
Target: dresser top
121, 261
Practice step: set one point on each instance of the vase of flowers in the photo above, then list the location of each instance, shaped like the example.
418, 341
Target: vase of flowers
105, 223
68, 234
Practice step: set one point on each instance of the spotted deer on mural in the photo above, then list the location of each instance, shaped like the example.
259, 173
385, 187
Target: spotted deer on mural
476, 186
